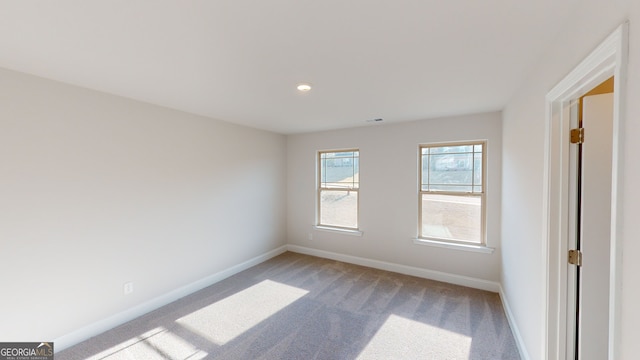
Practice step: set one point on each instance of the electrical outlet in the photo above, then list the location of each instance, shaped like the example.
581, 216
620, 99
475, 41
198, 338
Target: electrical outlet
310, 236
128, 288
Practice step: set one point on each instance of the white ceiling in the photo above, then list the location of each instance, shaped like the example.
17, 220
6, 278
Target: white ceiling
239, 60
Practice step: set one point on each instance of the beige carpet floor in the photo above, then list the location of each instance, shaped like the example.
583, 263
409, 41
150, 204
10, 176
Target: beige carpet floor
302, 307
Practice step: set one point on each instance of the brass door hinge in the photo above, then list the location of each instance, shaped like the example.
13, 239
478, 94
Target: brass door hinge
575, 257
577, 136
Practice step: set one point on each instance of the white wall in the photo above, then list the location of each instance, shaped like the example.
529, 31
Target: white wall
388, 192
98, 190
524, 118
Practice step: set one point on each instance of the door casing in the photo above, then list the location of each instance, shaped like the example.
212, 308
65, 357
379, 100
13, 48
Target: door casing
608, 59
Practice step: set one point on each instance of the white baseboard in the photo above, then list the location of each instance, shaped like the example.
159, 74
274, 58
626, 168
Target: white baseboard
402, 269
101, 326
524, 354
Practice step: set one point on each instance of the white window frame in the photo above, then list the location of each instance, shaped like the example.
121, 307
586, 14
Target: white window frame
447, 242
321, 188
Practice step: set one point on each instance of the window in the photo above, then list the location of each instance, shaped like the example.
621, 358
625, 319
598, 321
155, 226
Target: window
452, 192
338, 183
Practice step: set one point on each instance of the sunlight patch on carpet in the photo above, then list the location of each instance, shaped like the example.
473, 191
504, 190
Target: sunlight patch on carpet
402, 338
158, 343
229, 318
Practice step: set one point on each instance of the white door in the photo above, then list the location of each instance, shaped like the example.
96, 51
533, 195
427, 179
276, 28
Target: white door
595, 228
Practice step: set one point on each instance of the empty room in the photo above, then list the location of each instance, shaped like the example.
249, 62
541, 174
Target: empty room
319, 179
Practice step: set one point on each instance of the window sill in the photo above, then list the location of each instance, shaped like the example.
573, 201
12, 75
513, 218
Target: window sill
339, 230
456, 246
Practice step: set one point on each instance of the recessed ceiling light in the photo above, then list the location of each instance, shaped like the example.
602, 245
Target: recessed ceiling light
304, 87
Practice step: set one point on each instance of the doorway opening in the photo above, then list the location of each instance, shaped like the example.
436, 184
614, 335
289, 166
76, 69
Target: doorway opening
606, 61
590, 225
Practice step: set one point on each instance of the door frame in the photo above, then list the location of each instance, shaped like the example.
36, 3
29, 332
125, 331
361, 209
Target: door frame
608, 59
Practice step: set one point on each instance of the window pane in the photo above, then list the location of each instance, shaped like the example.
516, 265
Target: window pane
339, 208
425, 172
456, 188
477, 169
339, 170
451, 169
451, 149
452, 217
